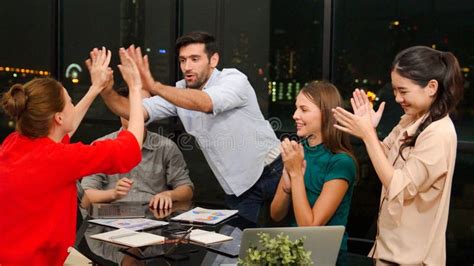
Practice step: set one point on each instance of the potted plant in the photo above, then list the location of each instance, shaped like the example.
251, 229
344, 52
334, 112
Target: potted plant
279, 250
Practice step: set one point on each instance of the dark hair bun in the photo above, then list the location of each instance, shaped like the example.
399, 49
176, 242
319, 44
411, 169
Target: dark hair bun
14, 101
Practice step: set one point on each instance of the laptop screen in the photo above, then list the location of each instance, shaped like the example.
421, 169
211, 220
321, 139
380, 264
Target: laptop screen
324, 242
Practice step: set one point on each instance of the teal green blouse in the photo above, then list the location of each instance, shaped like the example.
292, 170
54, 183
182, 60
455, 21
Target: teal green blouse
322, 166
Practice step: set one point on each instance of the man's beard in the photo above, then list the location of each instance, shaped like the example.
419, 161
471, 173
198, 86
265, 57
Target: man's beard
196, 85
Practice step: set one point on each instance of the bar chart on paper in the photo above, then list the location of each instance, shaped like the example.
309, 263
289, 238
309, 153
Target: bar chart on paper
206, 216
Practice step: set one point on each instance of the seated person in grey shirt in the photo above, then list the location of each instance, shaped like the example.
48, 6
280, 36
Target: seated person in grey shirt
161, 177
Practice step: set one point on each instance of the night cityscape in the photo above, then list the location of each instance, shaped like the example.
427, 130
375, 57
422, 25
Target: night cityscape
281, 46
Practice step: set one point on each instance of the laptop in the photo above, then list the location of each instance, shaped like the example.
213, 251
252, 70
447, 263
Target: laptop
323, 241
133, 209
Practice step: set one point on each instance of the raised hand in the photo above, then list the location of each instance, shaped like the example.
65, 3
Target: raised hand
110, 83
143, 67
129, 71
360, 101
292, 154
360, 125
98, 66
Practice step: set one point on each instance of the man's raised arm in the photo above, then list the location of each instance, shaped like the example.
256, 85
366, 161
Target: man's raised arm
118, 104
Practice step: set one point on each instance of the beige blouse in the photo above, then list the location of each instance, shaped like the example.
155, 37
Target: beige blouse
414, 209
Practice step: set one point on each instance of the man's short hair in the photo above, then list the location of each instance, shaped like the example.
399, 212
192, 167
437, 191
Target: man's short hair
198, 37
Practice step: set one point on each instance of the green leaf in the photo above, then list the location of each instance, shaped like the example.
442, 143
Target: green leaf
278, 250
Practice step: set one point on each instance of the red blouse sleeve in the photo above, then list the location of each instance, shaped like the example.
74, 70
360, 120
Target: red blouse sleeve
108, 156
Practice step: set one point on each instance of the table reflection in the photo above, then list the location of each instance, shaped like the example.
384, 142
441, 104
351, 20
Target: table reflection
185, 253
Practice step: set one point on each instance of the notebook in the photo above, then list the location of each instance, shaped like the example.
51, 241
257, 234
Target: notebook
118, 210
207, 237
323, 241
130, 238
135, 224
230, 248
75, 258
205, 216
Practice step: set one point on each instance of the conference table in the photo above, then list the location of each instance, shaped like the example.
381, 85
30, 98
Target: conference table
179, 252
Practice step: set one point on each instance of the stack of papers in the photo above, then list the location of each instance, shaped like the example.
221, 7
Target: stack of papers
132, 224
207, 237
75, 258
206, 216
130, 238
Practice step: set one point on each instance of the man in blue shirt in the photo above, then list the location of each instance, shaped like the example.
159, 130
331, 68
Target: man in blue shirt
220, 109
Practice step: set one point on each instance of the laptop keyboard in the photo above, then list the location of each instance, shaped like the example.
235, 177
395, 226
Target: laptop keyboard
120, 211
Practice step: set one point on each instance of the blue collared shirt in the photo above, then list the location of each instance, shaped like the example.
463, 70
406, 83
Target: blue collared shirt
235, 138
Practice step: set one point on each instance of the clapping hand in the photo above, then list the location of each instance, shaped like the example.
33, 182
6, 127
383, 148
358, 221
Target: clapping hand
360, 101
292, 154
364, 119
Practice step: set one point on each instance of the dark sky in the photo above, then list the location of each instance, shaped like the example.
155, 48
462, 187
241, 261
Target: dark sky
26, 34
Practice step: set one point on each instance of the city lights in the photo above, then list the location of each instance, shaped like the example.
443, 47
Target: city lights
23, 71
72, 72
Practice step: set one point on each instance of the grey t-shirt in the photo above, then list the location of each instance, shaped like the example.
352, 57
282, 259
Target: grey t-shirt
162, 168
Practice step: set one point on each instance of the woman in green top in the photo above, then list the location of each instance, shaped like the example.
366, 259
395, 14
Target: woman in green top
319, 174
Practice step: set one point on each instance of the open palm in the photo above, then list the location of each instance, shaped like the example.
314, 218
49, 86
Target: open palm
359, 100
98, 66
143, 67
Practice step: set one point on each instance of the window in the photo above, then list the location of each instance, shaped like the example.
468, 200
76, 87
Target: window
367, 36
114, 24
27, 46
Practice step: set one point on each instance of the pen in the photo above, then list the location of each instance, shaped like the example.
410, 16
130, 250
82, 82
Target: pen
123, 235
169, 251
187, 233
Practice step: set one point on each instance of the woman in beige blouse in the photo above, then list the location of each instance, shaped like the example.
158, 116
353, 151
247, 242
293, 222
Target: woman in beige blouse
415, 163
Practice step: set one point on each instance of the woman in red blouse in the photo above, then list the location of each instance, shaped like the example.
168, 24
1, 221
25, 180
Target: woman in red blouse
39, 167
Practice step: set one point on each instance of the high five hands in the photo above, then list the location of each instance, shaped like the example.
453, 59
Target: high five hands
143, 66
129, 70
134, 68
98, 66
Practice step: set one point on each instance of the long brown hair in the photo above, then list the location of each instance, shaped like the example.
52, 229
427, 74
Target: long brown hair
421, 64
33, 105
326, 96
